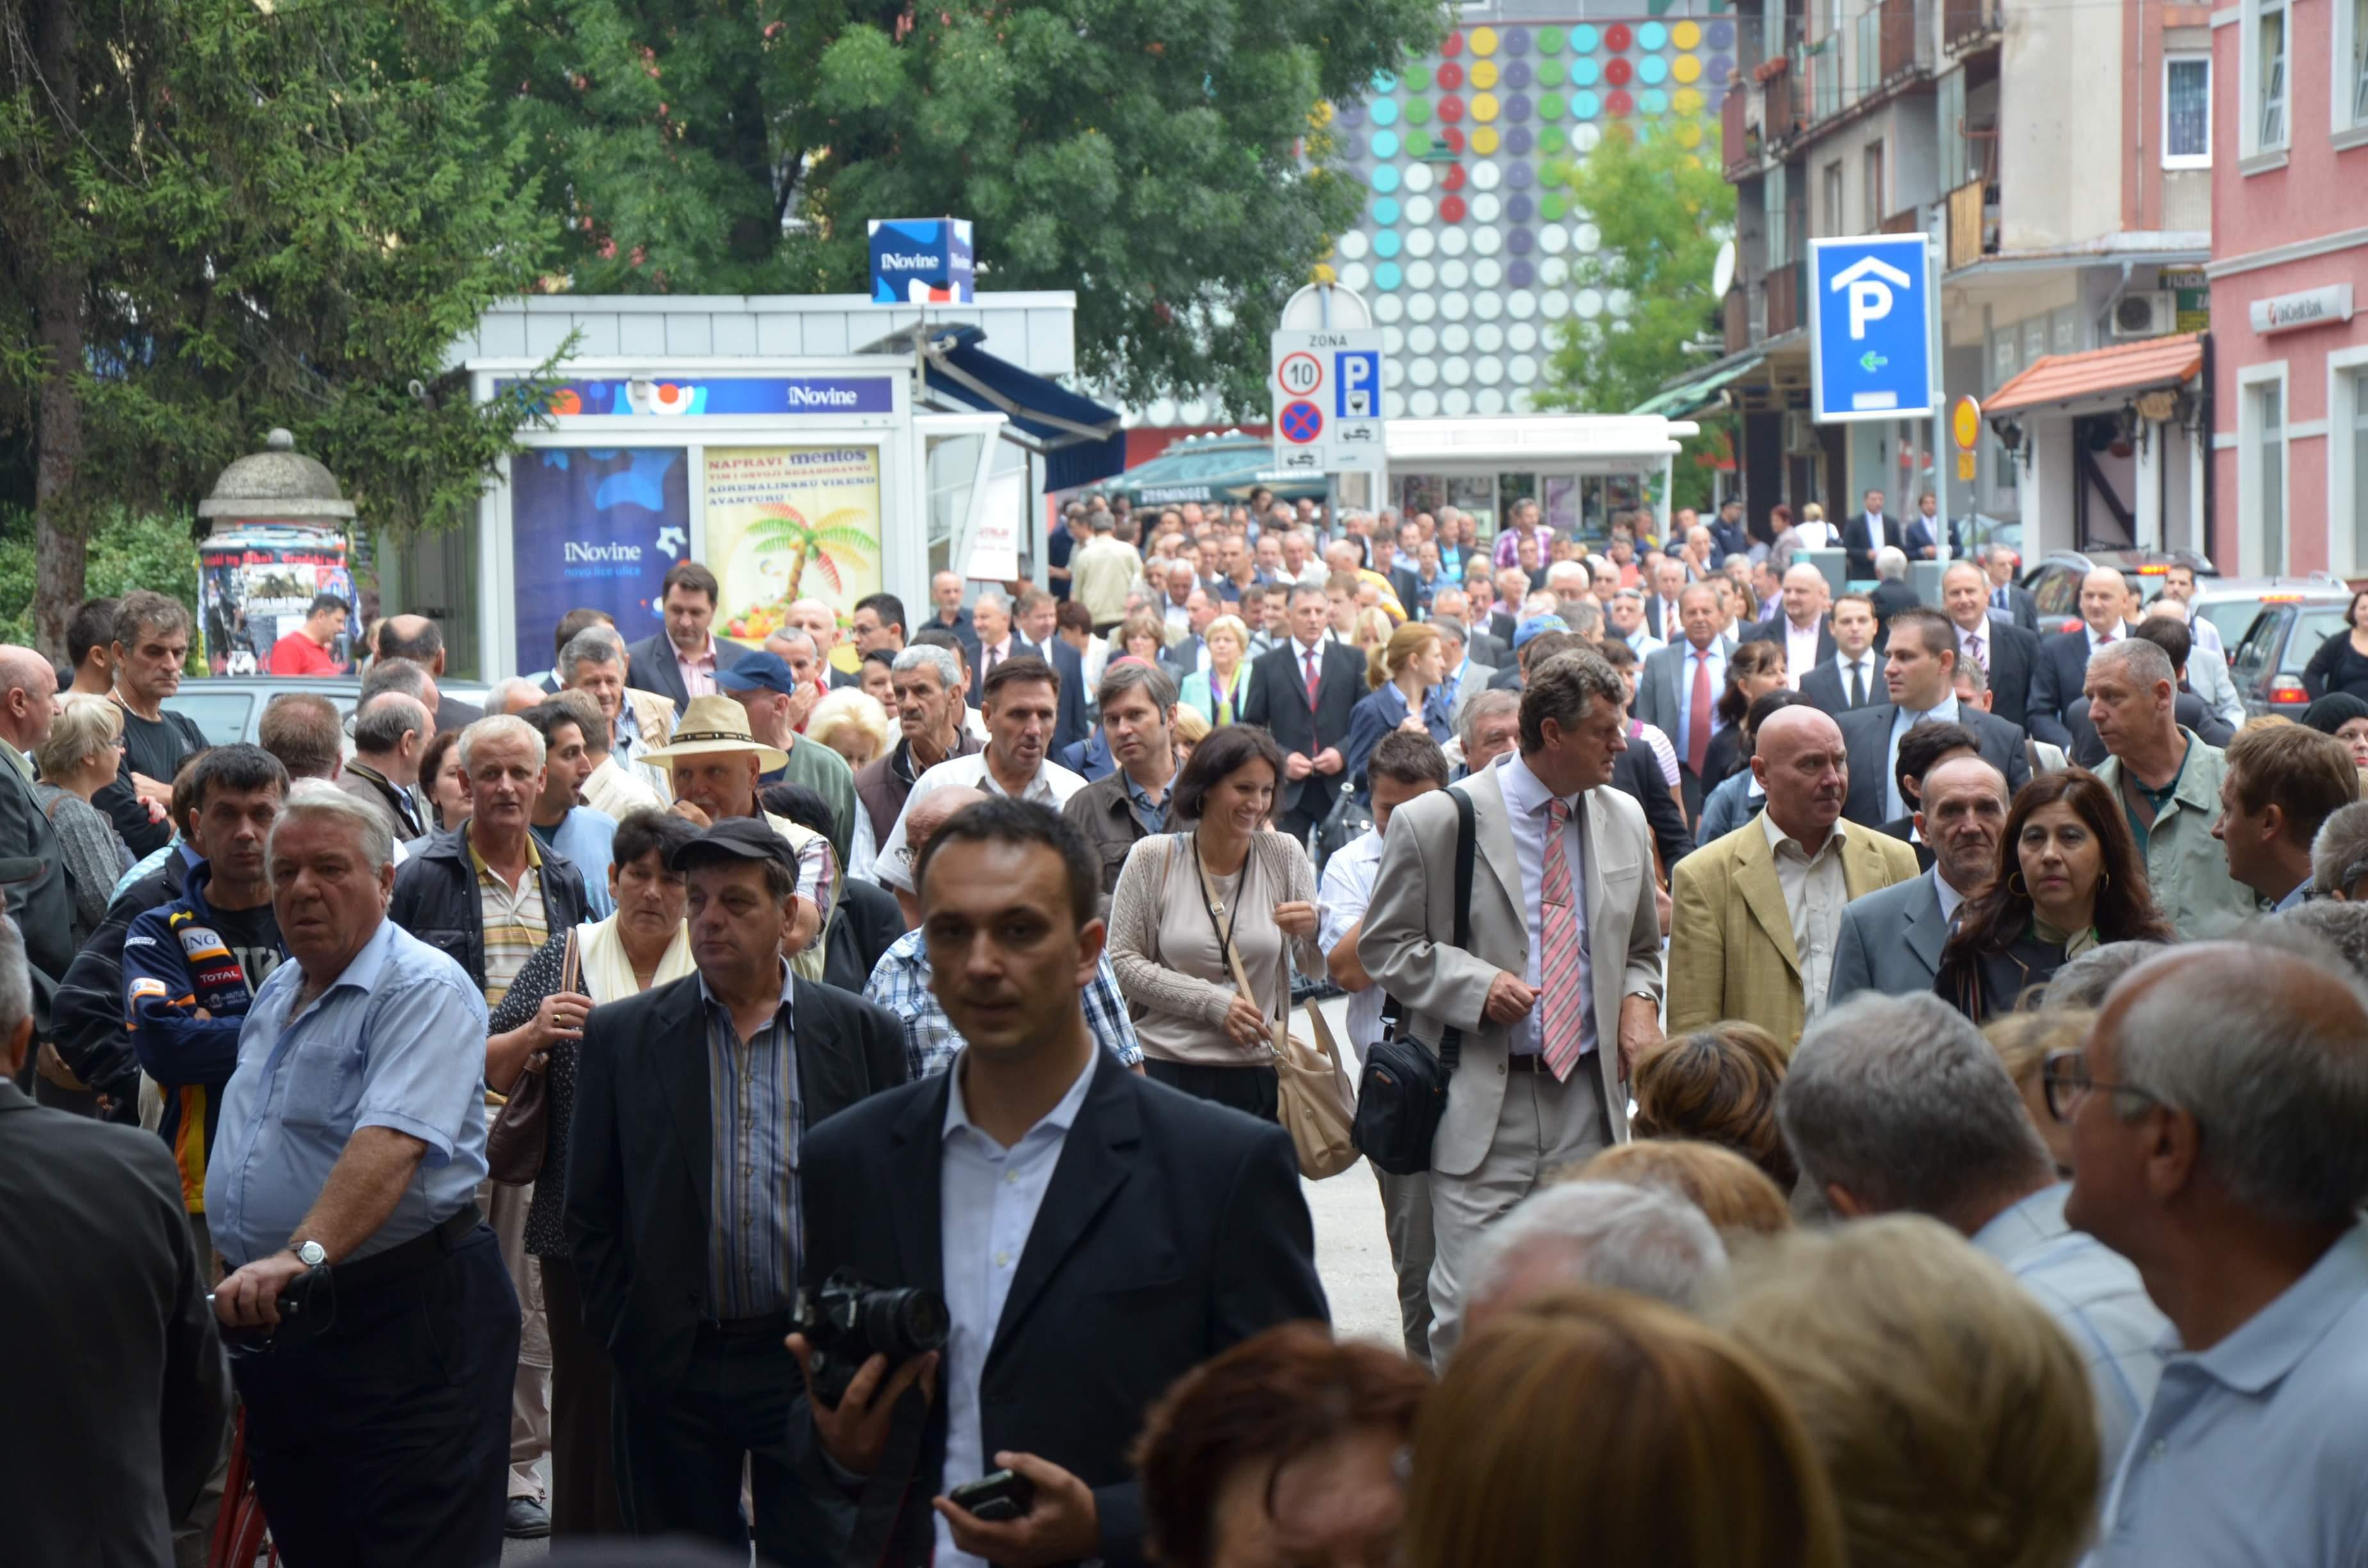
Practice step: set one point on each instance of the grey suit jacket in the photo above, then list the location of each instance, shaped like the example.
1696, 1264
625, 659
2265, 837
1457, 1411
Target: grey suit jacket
1656, 688
1476, 677
1405, 943
1890, 941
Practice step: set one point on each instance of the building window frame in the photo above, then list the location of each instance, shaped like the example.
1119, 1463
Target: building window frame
2171, 63
2348, 65
2347, 459
2258, 19
1874, 176
1834, 186
2264, 468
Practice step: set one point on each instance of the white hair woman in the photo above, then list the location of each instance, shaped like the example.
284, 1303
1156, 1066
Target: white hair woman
78, 759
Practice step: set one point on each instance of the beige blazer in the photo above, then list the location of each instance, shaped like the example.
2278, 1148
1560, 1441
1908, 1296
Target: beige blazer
1408, 928
1731, 953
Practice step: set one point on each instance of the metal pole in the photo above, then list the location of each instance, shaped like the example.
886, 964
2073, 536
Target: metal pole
1942, 456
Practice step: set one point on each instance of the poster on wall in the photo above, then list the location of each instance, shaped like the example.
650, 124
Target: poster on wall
594, 529
789, 523
256, 583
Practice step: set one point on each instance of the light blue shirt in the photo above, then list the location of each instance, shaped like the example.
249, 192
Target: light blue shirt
1526, 798
396, 1041
2096, 1297
987, 1200
1689, 655
583, 837
756, 1121
2256, 1451
1902, 721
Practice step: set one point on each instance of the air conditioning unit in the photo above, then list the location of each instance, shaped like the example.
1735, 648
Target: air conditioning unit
1800, 435
2150, 314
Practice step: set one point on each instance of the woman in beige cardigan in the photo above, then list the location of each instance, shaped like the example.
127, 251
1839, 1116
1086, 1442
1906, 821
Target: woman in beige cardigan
1227, 878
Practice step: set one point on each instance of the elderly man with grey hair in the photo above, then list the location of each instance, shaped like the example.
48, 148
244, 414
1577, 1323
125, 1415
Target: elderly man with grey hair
1641, 1239
390, 734
595, 661
351, 1140
1490, 727
930, 709
2338, 855
1897, 1104
2215, 1116
2083, 982
2168, 782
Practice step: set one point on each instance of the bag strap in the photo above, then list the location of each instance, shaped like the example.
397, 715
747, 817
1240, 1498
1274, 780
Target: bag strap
1233, 956
571, 963
1467, 837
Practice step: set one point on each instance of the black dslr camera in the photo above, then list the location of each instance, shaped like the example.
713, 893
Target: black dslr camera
847, 1321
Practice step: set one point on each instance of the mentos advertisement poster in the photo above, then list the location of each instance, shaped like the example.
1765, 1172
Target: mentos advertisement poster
594, 529
791, 523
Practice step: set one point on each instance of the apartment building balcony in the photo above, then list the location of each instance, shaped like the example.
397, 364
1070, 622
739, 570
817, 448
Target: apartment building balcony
1970, 26
1736, 312
1884, 51
1739, 136
1787, 304
1973, 226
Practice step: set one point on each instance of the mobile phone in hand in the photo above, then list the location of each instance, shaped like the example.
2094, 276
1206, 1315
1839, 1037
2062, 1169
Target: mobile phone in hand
997, 1498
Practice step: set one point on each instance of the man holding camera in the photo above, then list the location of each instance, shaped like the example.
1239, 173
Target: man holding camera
683, 1200
1077, 1218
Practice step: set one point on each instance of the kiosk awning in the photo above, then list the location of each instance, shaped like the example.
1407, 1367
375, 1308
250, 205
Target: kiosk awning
1683, 398
1081, 441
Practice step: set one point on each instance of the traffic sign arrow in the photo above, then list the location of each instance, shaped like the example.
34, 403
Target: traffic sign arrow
1871, 361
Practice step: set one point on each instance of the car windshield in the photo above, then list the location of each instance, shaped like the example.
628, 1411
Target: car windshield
2231, 618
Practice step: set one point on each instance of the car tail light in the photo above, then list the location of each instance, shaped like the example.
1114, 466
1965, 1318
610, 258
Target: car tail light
2153, 571
2286, 689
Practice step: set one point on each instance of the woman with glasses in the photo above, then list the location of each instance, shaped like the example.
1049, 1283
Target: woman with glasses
77, 759
2068, 879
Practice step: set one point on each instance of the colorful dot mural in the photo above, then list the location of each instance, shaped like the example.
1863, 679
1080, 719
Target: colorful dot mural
1470, 230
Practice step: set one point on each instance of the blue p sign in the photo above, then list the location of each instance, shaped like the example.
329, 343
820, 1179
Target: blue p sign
1357, 375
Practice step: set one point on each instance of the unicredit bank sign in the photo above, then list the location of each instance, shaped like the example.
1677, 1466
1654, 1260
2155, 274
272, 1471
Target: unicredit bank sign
921, 261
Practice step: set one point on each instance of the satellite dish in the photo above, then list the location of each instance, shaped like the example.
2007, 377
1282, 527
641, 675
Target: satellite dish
1722, 272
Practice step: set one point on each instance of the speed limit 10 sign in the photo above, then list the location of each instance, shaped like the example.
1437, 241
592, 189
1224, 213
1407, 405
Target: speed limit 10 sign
1301, 374
1326, 396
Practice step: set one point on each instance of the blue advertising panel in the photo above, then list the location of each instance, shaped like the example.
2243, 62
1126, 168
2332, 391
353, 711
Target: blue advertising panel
716, 396
921, 261
1870, 328
594, 529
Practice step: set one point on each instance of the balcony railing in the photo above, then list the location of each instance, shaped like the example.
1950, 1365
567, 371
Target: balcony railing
1738, 142
1909, 222
1889, 43
1737, 321
1906, 40
1968, 23
1786, 310
1780, 115
1971, 232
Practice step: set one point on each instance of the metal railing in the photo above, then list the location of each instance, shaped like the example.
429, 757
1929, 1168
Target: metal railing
1969, 22
1786, 309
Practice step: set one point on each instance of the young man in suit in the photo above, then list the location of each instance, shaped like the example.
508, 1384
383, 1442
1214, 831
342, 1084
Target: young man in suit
1890, 940
1918, 675
1865, 534
1554, 1004
680, 661
1990, 637
683, 1199
1074, 1214
1853, 676
1304, 692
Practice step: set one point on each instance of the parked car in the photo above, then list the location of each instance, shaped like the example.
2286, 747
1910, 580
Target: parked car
230, 708
2291, 625
2231, 604
2054, 582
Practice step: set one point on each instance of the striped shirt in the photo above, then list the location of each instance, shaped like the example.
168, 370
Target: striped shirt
514, 921
754, 1236
900, 982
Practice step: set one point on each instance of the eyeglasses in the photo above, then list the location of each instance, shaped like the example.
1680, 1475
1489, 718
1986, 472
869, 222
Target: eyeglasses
2064, 1074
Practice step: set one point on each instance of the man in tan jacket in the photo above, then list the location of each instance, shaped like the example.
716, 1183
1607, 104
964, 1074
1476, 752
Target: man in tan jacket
1756, 915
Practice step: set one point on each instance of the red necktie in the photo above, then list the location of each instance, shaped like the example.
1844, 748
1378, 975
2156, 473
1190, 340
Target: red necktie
1698, 717
1562, 971
1310, 656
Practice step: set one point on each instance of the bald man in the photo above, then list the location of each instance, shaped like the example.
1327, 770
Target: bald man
45, 907
1800, 624
1755, 916
420, 640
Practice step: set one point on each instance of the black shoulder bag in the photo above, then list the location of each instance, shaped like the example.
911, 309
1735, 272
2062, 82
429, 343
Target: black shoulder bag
1403, 1093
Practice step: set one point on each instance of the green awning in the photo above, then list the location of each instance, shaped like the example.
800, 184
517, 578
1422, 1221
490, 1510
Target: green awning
1678, 401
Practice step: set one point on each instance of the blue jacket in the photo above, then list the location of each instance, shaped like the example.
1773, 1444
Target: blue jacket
1090, 758
176, 964
1377, 712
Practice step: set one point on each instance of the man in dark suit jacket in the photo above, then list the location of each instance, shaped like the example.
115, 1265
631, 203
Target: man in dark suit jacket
702, 1379
1069, 725
691, 593
2008, 653
117, 1377
1997, 568
1151, 1230
1309, 732
1919, 674
1404, 582
28, 685
1852, 676
1865, 534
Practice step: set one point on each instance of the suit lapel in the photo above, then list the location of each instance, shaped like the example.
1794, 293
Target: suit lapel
678, 1055
1862, 863
1927, 933
912, 1185
1493, 825
1755, 875
1093, 1166
828, 1081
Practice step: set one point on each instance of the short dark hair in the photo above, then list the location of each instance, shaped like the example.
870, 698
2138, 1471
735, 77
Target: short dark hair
1405, 758
304, 731
1122, 676
574, 621
1074, 617
91, 626
887, 607
641, 831
2171, 636
1565, 689
185, 784
235, 768
692, 575
1617, 653
548, 717
1544, 646
144, 609
882, 656
327, 602
1856, 596
2310, 774
1935, 630
938, 637
1232, 747
1768, 702
999, 819
802, 803
421, 648
1019, 669
1927, 743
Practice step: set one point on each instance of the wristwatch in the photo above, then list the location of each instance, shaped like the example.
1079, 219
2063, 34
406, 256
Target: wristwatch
311, 1255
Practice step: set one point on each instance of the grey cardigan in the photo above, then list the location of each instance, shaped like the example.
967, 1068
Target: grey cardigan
1157, 886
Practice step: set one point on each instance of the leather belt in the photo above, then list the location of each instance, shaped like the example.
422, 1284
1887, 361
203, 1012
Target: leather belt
771, 1326
1530, 1062
411, 1256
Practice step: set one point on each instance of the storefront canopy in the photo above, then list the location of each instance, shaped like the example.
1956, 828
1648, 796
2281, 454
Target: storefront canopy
2098, 378
1080, 440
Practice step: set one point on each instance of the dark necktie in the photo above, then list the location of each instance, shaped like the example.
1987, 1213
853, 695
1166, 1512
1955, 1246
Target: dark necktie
1857, 684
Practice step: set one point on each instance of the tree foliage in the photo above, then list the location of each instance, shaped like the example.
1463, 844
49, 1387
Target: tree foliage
224, 215
1166, 161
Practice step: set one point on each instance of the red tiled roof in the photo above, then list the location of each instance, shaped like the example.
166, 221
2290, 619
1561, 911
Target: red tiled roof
2125, 366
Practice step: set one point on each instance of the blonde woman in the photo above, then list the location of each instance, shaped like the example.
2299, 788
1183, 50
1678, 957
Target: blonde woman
1189, 731
1218, 692
79, 757
851, 722
1406, 674
1370, 629
1142, 635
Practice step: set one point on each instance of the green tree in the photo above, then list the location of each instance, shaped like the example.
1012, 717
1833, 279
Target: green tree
1662, 210
223, 215
1168, 162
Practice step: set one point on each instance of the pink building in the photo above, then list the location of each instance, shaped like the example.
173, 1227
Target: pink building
2289, 275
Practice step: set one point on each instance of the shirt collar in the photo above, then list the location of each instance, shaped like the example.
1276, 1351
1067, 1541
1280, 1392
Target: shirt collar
788, 983
2037, 1217
1525, 793
368, 964
704, 656
2266, 1347
1061, 1117
2296, 899
533, 856
1777, 837
1945, 711
1949, 897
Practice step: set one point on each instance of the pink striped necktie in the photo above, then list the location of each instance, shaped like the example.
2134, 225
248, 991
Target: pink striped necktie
1562, 1001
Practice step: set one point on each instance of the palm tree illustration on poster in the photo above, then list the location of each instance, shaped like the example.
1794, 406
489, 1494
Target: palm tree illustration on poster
791, 523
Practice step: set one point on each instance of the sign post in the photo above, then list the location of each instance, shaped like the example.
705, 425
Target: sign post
1326, 385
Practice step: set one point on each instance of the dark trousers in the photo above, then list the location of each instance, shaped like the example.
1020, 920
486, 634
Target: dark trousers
1247, 1088
680, 1455
582, 1446
386, 1439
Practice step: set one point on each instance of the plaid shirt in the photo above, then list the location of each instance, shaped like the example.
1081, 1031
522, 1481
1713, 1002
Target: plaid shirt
900, 982
757, 1122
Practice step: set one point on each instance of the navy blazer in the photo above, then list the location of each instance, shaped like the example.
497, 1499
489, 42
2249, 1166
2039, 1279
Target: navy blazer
1866, 742
2057, 679
653, 669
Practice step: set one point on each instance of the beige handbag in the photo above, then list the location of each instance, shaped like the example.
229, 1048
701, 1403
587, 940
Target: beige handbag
1315, 1100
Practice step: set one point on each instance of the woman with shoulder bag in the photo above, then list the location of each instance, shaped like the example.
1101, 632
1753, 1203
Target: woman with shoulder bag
643, 945
1188, 903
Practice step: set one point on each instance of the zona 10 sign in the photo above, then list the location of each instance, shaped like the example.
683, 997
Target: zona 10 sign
1324, 385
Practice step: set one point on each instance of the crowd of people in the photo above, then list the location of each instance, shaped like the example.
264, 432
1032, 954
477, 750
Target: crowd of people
1886, 1083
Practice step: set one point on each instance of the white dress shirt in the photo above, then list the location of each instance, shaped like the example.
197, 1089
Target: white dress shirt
1052, 786
1815, 892
1985, 635
987, 1200
1341, 900
1949, 896
1800, 650
1525, 807
1902, 721
1868, 667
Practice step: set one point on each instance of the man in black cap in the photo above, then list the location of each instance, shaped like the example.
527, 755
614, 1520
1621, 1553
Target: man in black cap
683, 1203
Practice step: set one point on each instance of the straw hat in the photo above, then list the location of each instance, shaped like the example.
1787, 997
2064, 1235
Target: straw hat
712, 725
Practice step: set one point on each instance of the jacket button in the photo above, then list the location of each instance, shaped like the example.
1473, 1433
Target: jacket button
1500, 1069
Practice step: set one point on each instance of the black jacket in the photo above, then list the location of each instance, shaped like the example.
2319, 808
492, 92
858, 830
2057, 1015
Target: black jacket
1069, 725
44, 907
436, 899
2058, 678
88, 1013
865, 925
1639, 773
116, 1375
640, 1190
1278, 700
1173, 1229
1866, 742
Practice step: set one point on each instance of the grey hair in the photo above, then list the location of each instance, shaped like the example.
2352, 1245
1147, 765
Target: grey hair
2084, 981
2147, 664
1890, 562
1567, 571
1451, 627
1970, 673
16, 980
2278, 1086
593, 645
1584, 616
1120, 676
992, 597
381, 723
318, 800
1637, 1239
921, 656
2343, 926
494, 727
498, 696
793, 634
2338, 855
1566, 688
1900, 1102
1737, 559
1484, 707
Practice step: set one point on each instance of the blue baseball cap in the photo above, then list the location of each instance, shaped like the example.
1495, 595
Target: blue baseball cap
1537, 625
759, 671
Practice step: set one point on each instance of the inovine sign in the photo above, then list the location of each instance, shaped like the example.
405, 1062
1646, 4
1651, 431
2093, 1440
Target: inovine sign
921, 261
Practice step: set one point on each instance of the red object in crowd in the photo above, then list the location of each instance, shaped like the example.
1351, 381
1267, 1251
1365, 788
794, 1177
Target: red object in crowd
297, 655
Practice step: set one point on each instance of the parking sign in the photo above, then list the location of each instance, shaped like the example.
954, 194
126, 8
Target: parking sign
1325, 388
1870, 328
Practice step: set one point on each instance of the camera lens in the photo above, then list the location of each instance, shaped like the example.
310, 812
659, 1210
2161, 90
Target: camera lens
906, 1322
